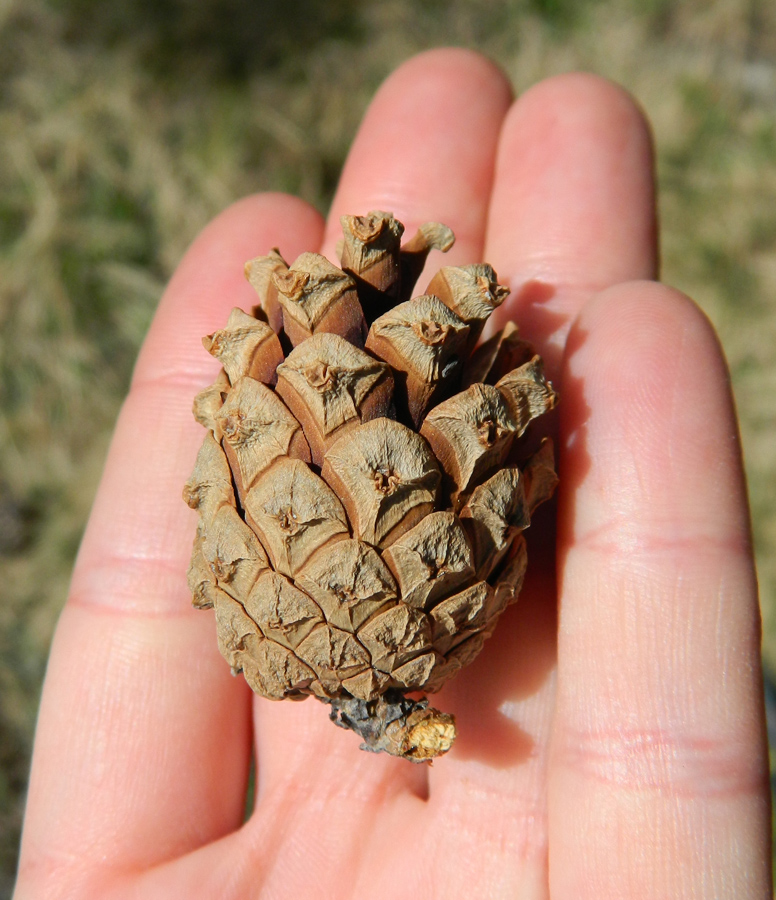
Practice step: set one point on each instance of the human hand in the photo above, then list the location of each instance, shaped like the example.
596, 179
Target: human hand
611, 736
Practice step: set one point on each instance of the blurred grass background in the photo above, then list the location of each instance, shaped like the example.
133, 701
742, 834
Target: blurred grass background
125, 126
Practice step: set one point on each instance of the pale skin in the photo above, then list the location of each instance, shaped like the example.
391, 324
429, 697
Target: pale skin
612, 739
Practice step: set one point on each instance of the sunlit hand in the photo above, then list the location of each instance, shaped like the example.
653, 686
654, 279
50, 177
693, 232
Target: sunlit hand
611, 733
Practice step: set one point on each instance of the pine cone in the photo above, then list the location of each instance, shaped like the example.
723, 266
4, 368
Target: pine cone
363, 485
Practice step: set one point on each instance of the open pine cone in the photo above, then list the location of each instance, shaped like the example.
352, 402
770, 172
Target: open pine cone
363, 484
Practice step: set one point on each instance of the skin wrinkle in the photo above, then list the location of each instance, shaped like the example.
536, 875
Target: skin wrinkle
188, 380
178, 358
140, 560
144, 583
684, 440
176, 395
673, 764
620, 534
97, 607
254, 852
289, 791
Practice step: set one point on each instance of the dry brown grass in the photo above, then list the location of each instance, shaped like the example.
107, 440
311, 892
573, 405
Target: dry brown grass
124, 131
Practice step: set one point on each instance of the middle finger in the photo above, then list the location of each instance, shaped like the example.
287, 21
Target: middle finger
425, 151
572, 211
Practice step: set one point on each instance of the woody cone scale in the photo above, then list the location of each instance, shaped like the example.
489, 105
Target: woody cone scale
364, 482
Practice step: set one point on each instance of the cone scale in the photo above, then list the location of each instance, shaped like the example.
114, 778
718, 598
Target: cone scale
362, 497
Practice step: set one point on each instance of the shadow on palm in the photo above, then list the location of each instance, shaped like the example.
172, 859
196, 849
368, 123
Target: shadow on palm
520, 659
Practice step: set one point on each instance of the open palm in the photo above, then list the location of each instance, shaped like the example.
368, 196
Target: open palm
611, 737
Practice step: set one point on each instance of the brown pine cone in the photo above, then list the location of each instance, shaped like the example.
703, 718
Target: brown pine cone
362, 487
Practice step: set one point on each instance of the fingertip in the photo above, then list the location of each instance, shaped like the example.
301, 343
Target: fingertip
426, 148
591, 94
573, 207
638, 333
648, 419
642, 317
448, 64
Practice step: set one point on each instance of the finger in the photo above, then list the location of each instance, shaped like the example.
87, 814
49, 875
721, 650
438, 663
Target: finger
572, 209
659, 779
425, 151
143, 740
573, 206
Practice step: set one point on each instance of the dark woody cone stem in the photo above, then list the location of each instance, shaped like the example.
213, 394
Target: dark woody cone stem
396, 724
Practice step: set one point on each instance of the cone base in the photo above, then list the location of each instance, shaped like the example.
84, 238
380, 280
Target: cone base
395, 724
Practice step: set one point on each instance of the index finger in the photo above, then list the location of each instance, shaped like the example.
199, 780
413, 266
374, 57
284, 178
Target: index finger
133, 763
